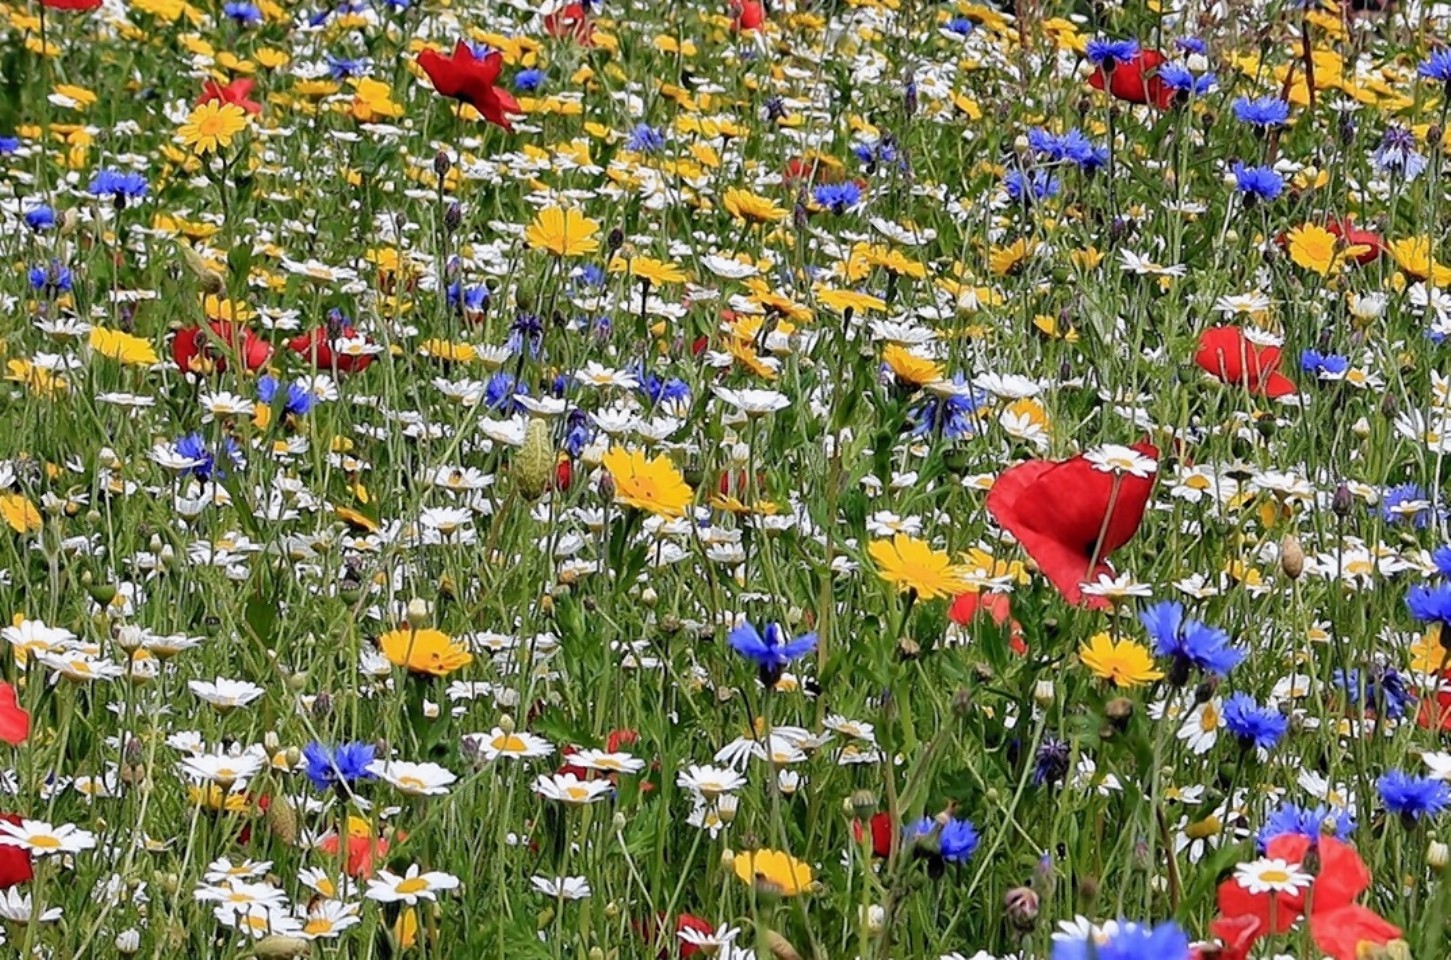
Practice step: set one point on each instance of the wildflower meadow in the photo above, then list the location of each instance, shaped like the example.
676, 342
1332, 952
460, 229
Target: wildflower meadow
795, 479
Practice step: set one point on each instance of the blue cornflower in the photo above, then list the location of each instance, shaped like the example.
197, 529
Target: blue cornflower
1038, 186
1177, 76
1252, 724
769, 652
526, 332
40, 218
960, 26
1325, 366
1384, 690
1192, 45
1107, 53
121, 184
951, 414
1437, 66
527, 81
1304, 821
9, 145
246, 14
501, 390
52, 280
837, 197
206, 462
1191, 644
330, 767
1264, 112
342, 68
299, 398
1132, 941
1257, 183
1406, 503
953, 841
1413, 797
578, 432
1441, 557
1397, 154
592, 275
467, 299
645, 139
660, 391
1430, 603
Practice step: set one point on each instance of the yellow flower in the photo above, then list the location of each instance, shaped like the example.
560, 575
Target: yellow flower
212, 126
1413, 256
122, 346
655, 272
653, 485
1004, 260
38, 380
564, 233
1317, 249
892, 261
1427, 653
444, 350
1125, 663
79, 95
773, 870
909, 367
20, 513
428, 651
747, 206
843, 300
373, 100
221, 308
911, 564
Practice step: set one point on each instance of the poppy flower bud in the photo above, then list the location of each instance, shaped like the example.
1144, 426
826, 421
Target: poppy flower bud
616, 239
1292, 556
1342, 501
533, 465
1021, 905
282, 820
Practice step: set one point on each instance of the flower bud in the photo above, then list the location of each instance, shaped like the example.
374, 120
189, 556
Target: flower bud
1342, 501
419, 610
1438, 855
1043, 693
1292, 556
441, 163
277, 945
533, 465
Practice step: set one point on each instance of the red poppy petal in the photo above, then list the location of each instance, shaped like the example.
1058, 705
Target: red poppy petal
1343, 875
1340, 932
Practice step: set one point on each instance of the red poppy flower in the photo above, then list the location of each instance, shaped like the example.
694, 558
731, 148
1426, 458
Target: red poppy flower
237, 93
571, 22
466, 77
78, 6
14, 861
1136, 80
194, 352
700, 925
1229, 355
967, 607
1356, 236
1436, 714
1339, 926
362, 851
1069, 516
14, 721
749, 14
316, 346
884, 833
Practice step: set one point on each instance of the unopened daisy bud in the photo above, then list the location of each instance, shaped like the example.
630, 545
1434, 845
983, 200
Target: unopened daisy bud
649, 597
1438, 855
271, 741
727, 859
278, 945
128, 941
619, 821
1292, 556
863, 804
596, 953
1021, 907
533, 465
418, 612
128, 637
506, 723
1043, 693
612, 910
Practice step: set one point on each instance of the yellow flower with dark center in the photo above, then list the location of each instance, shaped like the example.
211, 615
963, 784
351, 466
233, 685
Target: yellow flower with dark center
747, 206
1004, 260
774, 871
655, 486
122, 346
911, 368
656, 272
212, 126
430, 652
1124, 663
563, 232
892, 261
911, 564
